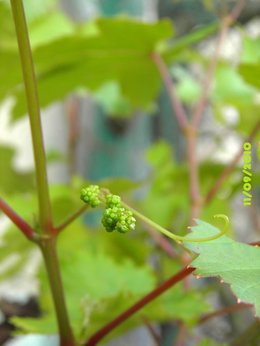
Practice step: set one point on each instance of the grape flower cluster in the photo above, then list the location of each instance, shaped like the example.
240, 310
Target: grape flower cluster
116, 217
91, 195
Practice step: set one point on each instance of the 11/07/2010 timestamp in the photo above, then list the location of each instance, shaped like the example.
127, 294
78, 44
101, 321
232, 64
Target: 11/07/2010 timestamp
247, 177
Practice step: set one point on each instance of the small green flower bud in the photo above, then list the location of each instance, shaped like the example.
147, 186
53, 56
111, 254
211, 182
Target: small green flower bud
119, 219
113, 201
91, 195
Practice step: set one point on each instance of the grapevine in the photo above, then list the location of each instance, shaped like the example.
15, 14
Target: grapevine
118, 216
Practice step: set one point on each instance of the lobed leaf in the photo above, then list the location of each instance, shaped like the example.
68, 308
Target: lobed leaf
119, 51
238, 264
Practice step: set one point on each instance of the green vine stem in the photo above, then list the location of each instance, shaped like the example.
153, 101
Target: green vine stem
48, 248
175, 236
31, 92
47, 238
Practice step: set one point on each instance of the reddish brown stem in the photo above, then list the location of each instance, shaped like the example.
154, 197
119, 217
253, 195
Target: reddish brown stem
73, 124
200, 107
152, 331
235, 13
191, 137
224, 311
256, 243
189, 132
99, 335
212, 192
17, 220
176, 104
181, 335
226, 22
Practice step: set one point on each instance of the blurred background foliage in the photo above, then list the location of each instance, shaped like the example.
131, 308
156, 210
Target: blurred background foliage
85, 51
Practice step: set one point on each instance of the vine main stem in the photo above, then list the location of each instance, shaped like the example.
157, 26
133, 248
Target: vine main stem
32, 98
48, 247
47, 237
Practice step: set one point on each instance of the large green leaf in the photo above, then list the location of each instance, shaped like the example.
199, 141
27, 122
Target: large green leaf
168, 196
7, 33
49, 27
175, 305
99, 287
250, 61
251, 73
183, 43
90, 279
236, 91
236, 263
119, 51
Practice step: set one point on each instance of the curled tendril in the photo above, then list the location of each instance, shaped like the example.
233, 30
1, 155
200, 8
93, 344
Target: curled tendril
177, 237
213, 237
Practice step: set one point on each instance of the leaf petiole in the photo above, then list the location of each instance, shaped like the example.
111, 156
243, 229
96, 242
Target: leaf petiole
175, 236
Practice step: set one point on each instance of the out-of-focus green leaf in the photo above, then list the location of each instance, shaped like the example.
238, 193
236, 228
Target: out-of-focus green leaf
55, 156
179, 45
187, 88
50, 27
25, 204
120, 52
90, 277
210, 342
251, 73
236, 263
251, 50
65, 201
10, 268
168, 195
236, 91
165, 196
11, 75
37, 8
119, 186
111, 99
14, 243
99, 288
209, 4
11, 180
7, 32
172, 305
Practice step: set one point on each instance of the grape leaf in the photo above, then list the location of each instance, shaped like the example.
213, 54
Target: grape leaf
251, 50
250, 73
99, 287
90, 278
119, 51
236, 263
183, 43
